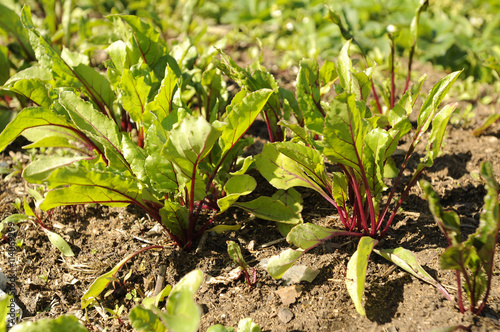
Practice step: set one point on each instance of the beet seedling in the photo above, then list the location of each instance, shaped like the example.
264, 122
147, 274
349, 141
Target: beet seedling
234, 251
361, 144
473, 259
179, 165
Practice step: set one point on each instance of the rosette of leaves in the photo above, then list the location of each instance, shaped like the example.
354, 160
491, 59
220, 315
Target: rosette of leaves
361, 144
131, 137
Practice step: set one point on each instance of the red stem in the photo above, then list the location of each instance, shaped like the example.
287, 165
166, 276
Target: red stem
400, 201
375, 96
393, 86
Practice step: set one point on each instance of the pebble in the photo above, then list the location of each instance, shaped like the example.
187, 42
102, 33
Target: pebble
285, 315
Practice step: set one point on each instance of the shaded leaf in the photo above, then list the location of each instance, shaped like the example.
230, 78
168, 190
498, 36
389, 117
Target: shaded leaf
234, 188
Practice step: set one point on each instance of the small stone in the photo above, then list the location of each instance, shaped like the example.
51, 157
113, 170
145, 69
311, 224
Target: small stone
251, 245
285, 315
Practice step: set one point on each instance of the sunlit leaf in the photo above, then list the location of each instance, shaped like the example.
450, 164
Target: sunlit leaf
59, 242
356, 272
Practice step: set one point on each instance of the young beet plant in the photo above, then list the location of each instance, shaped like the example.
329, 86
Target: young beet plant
361, 144
472, 259
178, 165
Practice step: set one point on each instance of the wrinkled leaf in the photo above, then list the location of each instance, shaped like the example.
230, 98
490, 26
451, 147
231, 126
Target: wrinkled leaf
287, 165
345, 132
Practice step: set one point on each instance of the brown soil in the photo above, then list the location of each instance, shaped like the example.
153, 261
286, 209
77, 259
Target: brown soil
49, 284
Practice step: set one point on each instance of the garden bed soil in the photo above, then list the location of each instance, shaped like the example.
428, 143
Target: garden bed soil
49, 284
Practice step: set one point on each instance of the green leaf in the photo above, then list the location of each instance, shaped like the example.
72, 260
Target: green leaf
344, 68
269, 209
286, 165
32, 83
241, 117
406, 260
220, 328
234, 251
68, 68
76, 195
307, 236
247, 325
436, 137
327, 75
309, 96
59, 242
456, 257
414, 23
52, 142
356, 272
235, 187
189, 143
164, 98
279, 264
4, 311
155, 300
27, 209
293, 200
375, 154
430, 105
339, 190
38, 170
183, 314
448, 222
145, 37
144, 320
175, 217
489, 222
97, 126
134, 94
345, 132
10, 23
59, 324
31, 117
219, 229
